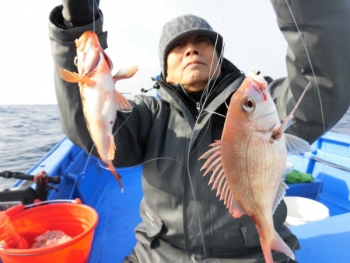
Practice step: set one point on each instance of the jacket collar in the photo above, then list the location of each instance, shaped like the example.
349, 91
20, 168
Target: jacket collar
174, 95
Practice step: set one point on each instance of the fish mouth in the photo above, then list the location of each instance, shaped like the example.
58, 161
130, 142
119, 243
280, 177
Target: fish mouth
268, 129
261, 90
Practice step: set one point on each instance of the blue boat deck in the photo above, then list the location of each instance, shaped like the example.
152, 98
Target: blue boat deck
82, 177
331, 171
329, 163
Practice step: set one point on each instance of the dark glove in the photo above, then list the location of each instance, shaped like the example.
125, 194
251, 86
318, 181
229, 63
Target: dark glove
79, 12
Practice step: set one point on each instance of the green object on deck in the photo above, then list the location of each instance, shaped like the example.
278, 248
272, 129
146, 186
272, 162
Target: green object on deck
295, 177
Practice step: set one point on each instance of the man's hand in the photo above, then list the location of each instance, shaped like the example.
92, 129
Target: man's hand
79, 12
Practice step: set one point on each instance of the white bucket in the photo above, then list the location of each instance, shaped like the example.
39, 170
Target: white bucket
302, 210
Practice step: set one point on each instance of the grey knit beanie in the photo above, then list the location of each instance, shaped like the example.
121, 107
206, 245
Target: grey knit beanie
184, 26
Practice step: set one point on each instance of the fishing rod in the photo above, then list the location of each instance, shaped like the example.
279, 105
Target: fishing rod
34, 178
320, 160
26, 194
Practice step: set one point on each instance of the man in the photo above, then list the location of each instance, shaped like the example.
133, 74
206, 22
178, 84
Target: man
183, 220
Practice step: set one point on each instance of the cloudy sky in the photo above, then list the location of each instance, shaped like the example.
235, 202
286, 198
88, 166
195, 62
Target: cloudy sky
249, 28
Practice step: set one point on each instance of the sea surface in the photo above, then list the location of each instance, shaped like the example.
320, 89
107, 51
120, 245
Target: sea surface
28, 132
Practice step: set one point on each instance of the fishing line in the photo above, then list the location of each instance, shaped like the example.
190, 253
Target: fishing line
206, 95
98, 10
213, 112
317, 89
144, 162
94, 3
202, 137
207, 88
93, 15
87, 161
310, 63
221, 56
314, 77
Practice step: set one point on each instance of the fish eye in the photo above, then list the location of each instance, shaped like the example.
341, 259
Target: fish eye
248, 104
76, 60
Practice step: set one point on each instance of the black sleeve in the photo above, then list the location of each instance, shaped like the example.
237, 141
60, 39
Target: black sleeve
325, 28
79, 12
63, 51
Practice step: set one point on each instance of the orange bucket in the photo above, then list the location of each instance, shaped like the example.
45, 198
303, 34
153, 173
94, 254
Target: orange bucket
76, 220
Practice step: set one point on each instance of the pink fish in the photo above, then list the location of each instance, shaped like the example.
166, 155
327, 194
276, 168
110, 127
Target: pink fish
97, 91
249, 160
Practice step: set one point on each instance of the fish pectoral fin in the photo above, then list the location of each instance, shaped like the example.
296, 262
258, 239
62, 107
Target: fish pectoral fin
125, 73
121, 102
73, 77
218, 179
111, 148
281, 192
69, 76
235, 209
106, 103
296, 145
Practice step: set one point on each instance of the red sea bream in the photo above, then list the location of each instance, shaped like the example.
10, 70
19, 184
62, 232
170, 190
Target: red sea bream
249, 160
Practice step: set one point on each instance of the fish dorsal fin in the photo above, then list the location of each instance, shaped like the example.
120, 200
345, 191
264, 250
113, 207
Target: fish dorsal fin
121, 102
281, 192
296, 145
218, 179
125, 73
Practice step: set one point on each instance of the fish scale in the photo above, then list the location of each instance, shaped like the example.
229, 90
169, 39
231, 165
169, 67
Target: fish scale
99, 98
248, 162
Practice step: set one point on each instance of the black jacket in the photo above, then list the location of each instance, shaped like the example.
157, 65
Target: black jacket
165, 135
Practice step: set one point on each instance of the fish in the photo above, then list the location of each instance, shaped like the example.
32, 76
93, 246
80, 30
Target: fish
248, 162
99, 98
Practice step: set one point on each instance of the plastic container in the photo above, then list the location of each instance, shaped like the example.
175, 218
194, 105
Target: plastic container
302, 210
8, 236
76, 220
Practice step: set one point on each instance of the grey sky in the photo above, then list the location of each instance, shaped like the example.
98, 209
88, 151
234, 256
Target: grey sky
248, 26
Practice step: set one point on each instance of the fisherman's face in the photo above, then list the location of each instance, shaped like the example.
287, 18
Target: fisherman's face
191, 62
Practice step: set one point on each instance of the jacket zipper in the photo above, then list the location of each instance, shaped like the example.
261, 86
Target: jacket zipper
198, 106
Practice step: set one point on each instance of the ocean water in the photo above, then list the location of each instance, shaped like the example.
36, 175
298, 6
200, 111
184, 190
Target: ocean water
28, 132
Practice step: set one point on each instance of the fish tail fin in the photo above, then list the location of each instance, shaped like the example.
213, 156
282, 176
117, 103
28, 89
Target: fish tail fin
115, 174
121, 102
267, 253
75, 78
278, 244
